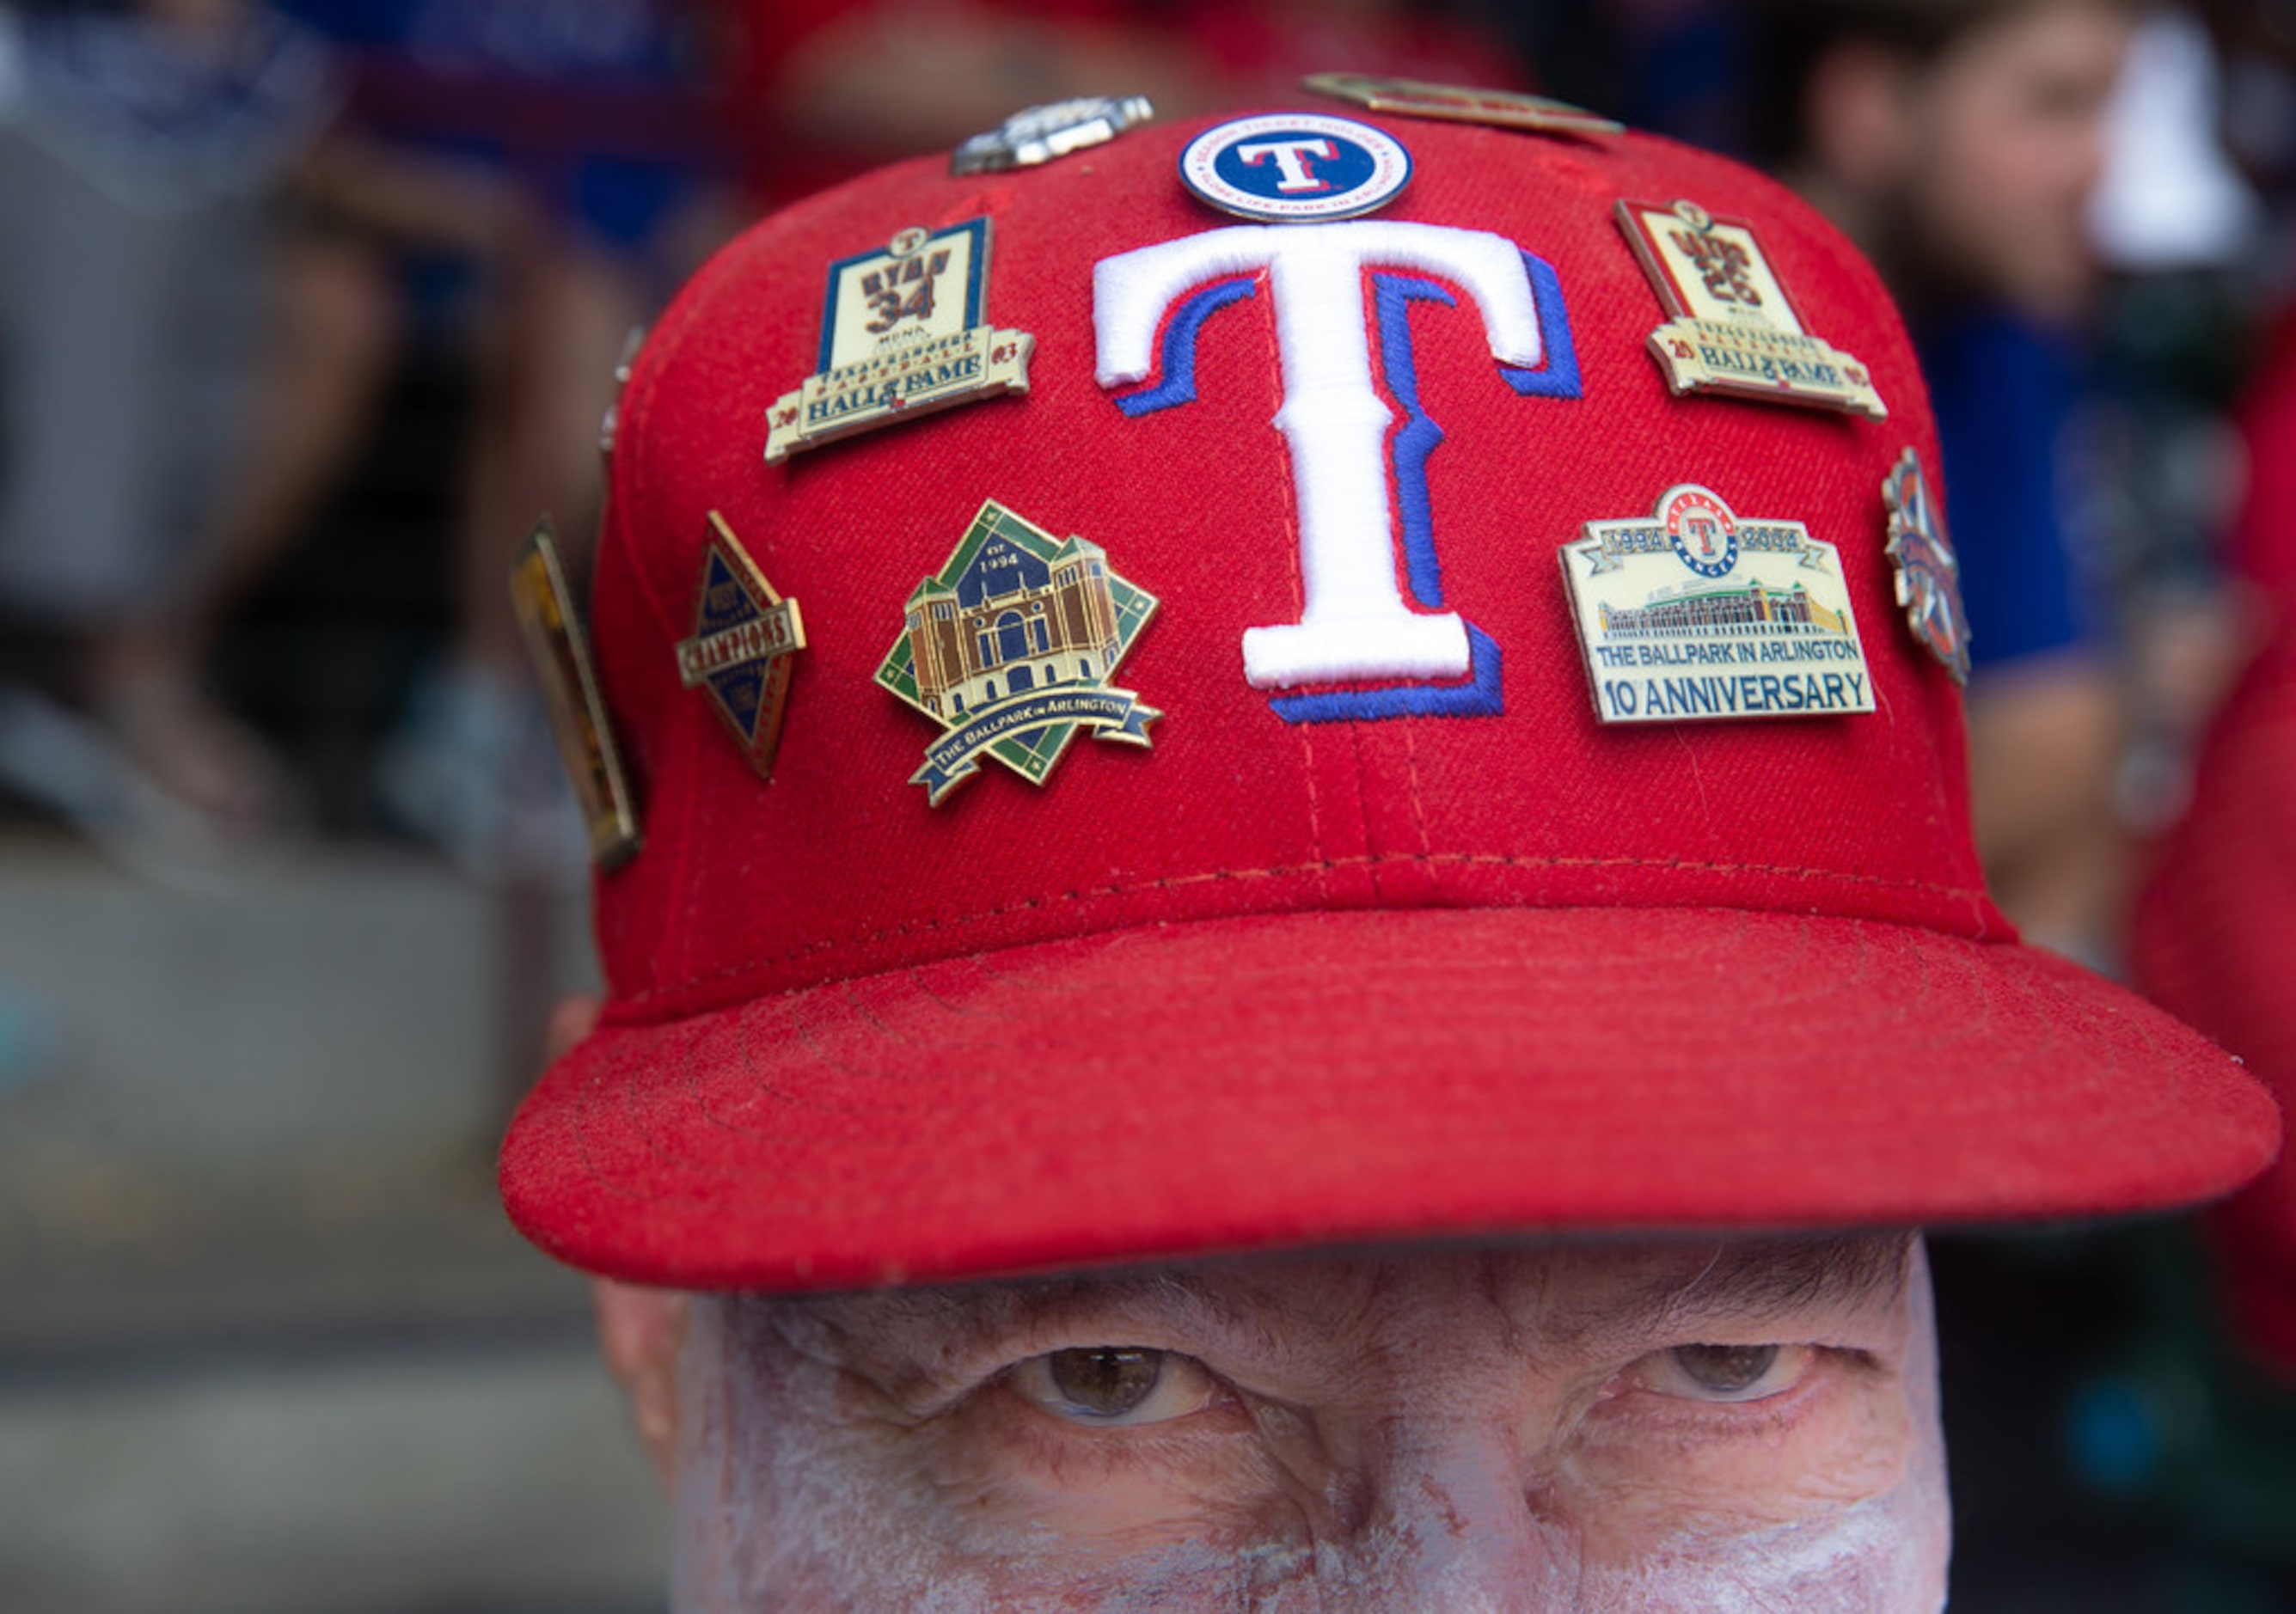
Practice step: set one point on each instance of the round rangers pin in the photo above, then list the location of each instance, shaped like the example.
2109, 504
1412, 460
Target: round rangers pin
1295, 167
1704, 533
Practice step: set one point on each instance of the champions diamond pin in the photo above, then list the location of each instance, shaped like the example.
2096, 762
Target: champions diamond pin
1697, 613
903, 333
1928, 574
1011, 649
1296, 167
745, 639
1734, 329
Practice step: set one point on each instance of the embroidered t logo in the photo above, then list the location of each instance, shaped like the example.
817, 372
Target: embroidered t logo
1355, 627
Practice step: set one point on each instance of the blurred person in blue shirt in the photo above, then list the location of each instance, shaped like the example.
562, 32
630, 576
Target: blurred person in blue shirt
524, 181
1958, 143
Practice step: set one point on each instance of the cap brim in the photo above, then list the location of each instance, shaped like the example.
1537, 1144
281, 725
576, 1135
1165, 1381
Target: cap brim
1277, 1082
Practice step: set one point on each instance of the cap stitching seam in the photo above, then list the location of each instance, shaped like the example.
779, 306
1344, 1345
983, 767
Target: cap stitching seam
671, 341
1323, 866
670, 336
1290, 495
1411, 777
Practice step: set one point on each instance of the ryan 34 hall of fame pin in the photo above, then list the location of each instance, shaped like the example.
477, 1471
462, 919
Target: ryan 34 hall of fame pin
1929, 573
1733, 330
560, 650
1695, 611
744, 647
904, 332
1012, 648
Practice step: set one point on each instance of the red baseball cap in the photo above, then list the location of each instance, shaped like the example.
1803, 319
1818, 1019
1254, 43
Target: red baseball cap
1364, 677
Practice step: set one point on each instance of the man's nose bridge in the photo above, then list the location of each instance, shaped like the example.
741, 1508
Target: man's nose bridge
1454, 1528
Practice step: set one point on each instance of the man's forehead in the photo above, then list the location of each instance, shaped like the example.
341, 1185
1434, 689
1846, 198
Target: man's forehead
1570, 1289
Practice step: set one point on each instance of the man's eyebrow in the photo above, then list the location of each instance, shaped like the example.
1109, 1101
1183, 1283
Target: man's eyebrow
948, 1334
955, 1323
1754, 1279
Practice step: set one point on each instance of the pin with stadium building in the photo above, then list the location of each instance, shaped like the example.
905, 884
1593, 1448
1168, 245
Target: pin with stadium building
1693, 613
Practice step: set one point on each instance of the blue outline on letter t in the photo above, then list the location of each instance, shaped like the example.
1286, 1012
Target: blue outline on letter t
1358, 487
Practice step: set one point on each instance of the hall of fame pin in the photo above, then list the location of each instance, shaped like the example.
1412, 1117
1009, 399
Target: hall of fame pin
551, 625
1295, 167
1734, 329
903, 333
1928, 572
1035, 137
744, 647
1454, 103
1696, 612
1011, 648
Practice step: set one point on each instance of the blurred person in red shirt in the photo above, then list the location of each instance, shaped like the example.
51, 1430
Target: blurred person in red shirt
2211, 941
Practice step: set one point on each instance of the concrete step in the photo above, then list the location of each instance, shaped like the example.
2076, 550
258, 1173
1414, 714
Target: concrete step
361, 1005
485, 1480
267, 1341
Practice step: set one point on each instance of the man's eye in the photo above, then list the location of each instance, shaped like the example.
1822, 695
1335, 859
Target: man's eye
1727, 1372
1115, 1384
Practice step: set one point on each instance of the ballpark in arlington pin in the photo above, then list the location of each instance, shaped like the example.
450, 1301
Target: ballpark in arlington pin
903, 333
1452, 103
1011, 649
1734, 329
1296, 167
1928, 574
1695, 611
561, 652
745, 641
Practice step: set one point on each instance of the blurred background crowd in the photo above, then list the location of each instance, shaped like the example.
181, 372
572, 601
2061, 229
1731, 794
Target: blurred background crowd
307, 308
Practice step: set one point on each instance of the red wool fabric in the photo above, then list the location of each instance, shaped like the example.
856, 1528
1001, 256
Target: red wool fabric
1271, 984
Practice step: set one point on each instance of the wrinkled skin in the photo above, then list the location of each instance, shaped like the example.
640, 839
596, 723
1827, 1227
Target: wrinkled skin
1536, 1429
